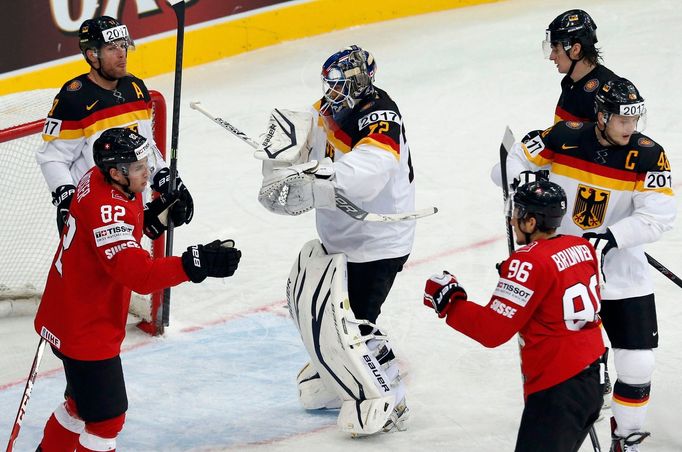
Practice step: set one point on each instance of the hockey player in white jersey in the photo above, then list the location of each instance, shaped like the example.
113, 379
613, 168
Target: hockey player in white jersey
356, 148
619, 187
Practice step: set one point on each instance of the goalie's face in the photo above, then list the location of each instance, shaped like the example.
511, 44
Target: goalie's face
336, 87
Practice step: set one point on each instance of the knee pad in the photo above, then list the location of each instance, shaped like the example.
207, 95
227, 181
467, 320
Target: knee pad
634, 367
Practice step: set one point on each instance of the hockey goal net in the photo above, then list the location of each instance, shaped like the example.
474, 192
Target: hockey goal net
29, 232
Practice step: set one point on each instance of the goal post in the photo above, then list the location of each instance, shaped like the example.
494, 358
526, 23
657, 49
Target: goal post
29, 232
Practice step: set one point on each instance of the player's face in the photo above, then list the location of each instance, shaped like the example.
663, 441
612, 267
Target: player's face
560, 58
516, 226
620, 128
113, 57
138, 175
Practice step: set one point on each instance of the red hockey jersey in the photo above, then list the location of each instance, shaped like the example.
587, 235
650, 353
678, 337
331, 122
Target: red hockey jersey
98, 262
548, 292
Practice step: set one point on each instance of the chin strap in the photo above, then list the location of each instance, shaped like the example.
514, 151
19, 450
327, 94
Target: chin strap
605, 136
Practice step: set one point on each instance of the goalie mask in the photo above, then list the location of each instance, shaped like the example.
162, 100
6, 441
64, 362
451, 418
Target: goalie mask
119, 147
347, 77
542, 199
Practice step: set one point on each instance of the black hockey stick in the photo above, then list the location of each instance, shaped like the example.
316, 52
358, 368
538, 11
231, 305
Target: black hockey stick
342, 203
179, 8
27, 395
507, 143
505, 146
664, 270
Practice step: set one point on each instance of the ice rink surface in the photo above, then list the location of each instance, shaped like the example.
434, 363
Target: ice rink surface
223, 376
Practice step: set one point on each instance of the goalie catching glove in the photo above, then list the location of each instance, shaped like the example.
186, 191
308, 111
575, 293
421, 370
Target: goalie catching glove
441, 291
296, 189
218, 259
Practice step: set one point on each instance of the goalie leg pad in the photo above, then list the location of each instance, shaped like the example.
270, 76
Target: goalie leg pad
313, 393
317, 297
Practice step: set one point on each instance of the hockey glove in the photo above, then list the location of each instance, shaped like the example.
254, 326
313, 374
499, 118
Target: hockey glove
297, 189
156, 214
526, 177
441, 291
218, 259
603, 242
61, 199
182, 212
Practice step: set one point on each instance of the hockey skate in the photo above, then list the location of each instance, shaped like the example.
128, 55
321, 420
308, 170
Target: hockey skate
628, 444
397, 422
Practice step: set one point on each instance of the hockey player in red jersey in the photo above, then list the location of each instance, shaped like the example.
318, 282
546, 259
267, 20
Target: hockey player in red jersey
99, 261
107, 96
570, 44
548, 292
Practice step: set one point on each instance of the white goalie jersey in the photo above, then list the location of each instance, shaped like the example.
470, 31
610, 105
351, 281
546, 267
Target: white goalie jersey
373, 170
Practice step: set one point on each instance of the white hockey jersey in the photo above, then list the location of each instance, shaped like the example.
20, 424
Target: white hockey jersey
373, 169
627, 189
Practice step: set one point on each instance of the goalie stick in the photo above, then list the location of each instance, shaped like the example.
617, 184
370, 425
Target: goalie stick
342, 203
26, 395
507, 142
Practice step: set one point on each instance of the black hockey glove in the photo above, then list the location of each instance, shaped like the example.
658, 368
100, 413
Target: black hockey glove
530, 135
182, 212
603, 242
217, 259
526, 177
61, 199
156, 214
441, 291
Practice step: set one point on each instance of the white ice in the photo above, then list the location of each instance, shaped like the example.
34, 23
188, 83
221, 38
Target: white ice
222, 378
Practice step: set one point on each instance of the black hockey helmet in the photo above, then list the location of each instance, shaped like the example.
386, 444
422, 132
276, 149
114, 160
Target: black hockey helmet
572, 26
348, 76
619, 97
118, 147
542, 199
94, 33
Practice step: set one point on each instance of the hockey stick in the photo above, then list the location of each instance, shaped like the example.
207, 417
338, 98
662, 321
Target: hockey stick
507, 143
179, 9
664, 270
342, 203
27, 395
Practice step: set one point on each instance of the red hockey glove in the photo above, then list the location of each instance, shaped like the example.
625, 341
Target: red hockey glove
441, 291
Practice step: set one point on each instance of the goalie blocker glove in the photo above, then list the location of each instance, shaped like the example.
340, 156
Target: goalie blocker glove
183, 211
156, 214
441, 291
217, 259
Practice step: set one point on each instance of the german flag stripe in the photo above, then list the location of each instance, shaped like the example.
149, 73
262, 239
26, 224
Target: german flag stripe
107, 122
131, 107
340, 140
382, 142
601, 170
562, 115
620, 400
592, 179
